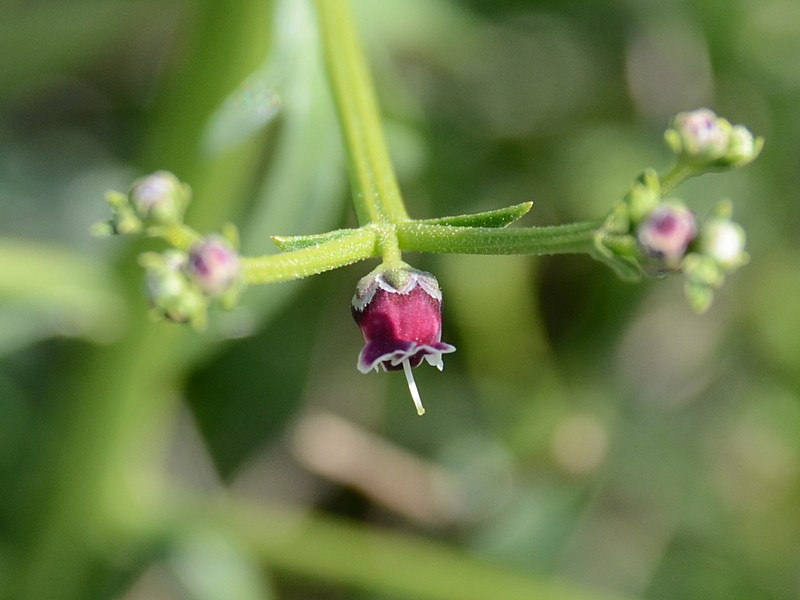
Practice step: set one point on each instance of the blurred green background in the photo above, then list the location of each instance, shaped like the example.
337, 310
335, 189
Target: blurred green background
589, 439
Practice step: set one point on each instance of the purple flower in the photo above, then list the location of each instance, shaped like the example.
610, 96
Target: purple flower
400, 315
214, 265
666, 233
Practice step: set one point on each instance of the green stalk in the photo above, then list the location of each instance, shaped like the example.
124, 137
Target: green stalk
677, 174
343, 250
178, 236
376, 194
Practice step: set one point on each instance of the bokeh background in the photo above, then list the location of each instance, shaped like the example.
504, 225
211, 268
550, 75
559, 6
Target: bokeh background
589, 439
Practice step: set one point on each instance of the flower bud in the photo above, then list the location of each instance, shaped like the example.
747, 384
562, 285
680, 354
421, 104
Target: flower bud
699, 136
213, 265
703, 276
643, 196
159, 198
171, 294
723, 240
719, 249
399, 312
666, 233
743, 148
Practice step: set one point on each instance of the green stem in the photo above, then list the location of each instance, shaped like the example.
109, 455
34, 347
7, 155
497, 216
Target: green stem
558, 239
678, 173
178, 235
338, 252
376, 194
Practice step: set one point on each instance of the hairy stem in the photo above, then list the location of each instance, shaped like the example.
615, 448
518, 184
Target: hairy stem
357, 245
674, 177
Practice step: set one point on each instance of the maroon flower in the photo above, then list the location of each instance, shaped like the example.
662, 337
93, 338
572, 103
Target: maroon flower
399, 312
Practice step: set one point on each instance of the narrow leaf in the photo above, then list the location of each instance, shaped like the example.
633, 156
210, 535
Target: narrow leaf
491, 218
298, 242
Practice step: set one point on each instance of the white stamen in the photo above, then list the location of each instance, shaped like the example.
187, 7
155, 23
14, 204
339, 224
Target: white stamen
412, 387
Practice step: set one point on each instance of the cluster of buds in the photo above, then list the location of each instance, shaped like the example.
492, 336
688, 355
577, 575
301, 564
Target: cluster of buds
156, 200
702, 139
399, 311
668, 235
672, 239
181, 283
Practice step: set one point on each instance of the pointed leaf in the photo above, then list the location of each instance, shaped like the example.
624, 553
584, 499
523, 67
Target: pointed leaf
492, 218
298, 242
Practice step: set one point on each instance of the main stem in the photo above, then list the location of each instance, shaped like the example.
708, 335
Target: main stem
376, 194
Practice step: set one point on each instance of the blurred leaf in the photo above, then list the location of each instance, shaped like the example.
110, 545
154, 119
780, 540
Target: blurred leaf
375, 559
301, 193
38, 38
51, 290
211, 566
259, 97
772, 292
302, 190
254, 104
691, 569
534, 529
247, 394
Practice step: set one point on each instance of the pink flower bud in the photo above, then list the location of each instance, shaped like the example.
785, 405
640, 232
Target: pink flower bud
666, 233
400, 316
213, 265
699, 136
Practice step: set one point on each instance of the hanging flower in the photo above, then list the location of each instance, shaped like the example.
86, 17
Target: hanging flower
399, 312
